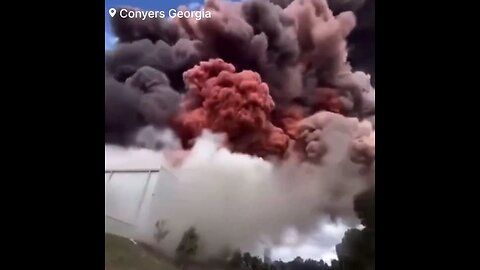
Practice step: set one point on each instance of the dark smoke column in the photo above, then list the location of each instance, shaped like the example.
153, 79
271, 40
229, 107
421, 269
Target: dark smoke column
299, 52
362, 40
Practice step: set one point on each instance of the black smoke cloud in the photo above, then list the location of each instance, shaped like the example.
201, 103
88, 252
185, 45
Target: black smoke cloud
122, 116
145, 98
153, 29
147, 77
257, 36
172, 60
362, 39
298, 52
158, 101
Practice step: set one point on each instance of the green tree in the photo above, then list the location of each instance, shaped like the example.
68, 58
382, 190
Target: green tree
256, 263
236, 261
187, 249
357, 249
335, 265
247, 259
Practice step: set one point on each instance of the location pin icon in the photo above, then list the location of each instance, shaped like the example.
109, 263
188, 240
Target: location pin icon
112, 12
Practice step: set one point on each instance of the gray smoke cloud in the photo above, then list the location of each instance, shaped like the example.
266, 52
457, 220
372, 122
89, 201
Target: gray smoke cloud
362, 39
240, 201
127, 58
132, 29
315, 57
159, 101
138, 71
122, 116
299, 48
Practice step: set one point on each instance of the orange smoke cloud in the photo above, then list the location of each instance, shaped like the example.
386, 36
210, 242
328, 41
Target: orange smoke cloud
329, 100
289, 118
238, 104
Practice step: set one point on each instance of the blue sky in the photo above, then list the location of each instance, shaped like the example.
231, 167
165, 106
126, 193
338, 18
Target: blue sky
143, 4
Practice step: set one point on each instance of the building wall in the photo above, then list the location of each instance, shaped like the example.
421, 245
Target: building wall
129, 194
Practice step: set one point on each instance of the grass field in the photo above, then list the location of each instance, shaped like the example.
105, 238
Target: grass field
123, 254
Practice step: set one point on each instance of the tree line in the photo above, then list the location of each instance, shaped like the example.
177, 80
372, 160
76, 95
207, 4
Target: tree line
355, 252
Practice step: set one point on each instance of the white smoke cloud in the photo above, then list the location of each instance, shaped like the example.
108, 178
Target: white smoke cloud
119, 158
240, 201
318, 246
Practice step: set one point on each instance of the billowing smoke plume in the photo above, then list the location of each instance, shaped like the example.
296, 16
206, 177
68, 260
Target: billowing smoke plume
286, 89
153, 29
239, 201
237, 104
361, 41
299, 51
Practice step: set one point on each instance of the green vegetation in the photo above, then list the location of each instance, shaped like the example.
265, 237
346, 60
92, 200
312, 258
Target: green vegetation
187, 248
123, 254
355, 252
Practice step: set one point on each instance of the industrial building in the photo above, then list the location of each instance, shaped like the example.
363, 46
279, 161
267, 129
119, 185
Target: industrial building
128, 195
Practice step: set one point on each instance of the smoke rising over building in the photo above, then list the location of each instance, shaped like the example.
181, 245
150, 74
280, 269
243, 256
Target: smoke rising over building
264, 114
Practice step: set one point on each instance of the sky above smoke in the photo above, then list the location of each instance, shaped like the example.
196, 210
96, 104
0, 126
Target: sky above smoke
273, 79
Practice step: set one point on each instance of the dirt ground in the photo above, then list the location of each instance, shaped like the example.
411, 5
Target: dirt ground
123, 254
